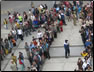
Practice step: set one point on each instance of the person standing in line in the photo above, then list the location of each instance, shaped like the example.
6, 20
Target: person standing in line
14, 58
74, 19
13, 66
20, 33
10, 42
63, 18
11, 20
80, 63
14, 34
21, 61
7, 48
5, 22
27, 48
39, 35
67, 50
22, 68
61, 24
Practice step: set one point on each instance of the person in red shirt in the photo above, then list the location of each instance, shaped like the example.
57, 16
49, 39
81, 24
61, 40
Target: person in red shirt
35, 42
21, 64
61, 24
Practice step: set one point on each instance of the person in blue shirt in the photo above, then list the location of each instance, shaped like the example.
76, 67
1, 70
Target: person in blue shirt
67, 50
31, 45
78, 12
63, 18
87, 43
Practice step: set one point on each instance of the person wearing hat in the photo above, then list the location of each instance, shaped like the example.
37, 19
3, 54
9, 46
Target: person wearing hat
67, 50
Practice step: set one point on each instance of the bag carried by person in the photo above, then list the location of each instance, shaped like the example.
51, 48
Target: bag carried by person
6, 51
14, 42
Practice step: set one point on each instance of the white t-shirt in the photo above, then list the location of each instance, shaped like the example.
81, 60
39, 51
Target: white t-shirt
59, 16
11, 16
19, 32
84, 65
88, 61
87, 23
88, 5
29, 12
90, 21
41, 6
66, 43
13, 31
39, 35
84, 25
38, 43
32, 17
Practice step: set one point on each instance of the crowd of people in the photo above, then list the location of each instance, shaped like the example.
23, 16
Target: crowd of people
24, 25
52, 21
86, 32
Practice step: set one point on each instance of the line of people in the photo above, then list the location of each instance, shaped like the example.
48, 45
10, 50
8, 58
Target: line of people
86, 32
35, 52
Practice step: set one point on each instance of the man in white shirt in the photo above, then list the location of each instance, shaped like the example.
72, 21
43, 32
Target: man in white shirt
20, 33
13, 31
39, 35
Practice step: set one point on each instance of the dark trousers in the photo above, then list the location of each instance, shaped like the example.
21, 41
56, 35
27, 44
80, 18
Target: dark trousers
58, 29
64, 21
14, 44
21, 37
1, 57
67, 52
27, 32
84, 40
55, 34
46, 54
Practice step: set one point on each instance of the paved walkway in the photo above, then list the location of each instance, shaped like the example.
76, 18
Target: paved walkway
60, 64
